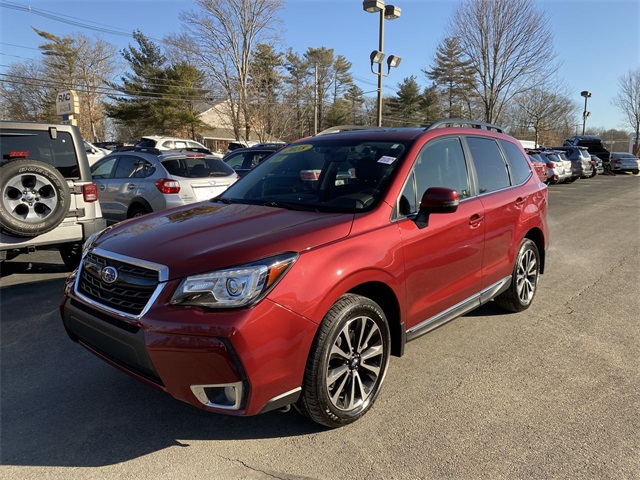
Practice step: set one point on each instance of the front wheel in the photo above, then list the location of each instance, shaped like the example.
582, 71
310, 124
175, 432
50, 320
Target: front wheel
347, 362
524, 279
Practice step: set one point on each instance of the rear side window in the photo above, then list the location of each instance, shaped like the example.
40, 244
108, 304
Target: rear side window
127, 167
518, 165
197, 167
38, 145
490, 166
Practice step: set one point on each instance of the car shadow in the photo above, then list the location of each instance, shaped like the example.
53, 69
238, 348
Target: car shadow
25, 267
61, 406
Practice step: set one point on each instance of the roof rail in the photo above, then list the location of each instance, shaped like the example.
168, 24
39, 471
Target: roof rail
135, 148
459, 122
346, 128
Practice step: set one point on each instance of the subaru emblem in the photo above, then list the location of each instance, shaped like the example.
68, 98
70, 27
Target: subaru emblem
109, 275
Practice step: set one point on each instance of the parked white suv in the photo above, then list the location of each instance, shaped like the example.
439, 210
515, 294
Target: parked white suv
171, 143
47, 197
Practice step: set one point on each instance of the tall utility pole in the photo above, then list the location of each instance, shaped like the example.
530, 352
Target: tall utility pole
389, 12
315, 101
585, 114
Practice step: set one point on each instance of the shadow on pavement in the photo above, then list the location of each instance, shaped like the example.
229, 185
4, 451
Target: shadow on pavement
61, 406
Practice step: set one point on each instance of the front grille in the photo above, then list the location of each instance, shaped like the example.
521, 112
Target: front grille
131, 291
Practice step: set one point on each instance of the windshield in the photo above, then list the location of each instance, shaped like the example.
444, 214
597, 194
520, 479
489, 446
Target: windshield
342, 173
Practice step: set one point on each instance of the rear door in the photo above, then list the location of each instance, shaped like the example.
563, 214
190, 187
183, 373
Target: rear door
504, 199
118, 180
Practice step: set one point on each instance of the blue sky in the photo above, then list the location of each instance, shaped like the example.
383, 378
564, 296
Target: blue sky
596, 41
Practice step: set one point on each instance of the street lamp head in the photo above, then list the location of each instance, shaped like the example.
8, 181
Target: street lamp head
585, 94
373, 6
376, 57
391, 12
393, 61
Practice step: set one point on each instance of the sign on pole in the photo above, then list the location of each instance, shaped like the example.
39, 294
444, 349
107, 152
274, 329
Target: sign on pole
67, 103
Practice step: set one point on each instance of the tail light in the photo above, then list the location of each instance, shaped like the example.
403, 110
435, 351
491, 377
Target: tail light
616, 161
90, 192
167, 185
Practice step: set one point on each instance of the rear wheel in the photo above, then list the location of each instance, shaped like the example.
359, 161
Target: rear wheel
524, 279
347, 362
34, 198
137, 211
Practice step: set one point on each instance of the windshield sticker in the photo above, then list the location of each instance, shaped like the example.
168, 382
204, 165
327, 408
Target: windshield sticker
387, 160
296, 149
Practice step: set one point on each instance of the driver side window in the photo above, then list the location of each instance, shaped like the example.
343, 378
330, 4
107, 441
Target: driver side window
439, 164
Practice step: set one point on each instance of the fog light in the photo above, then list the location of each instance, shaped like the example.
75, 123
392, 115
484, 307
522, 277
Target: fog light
227, 396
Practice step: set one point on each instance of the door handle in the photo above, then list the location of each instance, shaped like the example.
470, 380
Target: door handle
476, 220
520, 201
102, 187
131, 186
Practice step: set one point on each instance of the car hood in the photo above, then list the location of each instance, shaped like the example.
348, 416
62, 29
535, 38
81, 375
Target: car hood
207, 236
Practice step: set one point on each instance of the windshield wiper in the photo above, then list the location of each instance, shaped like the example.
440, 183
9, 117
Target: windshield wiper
291, 206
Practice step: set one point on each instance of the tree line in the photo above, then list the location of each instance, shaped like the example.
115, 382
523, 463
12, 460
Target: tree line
495, 63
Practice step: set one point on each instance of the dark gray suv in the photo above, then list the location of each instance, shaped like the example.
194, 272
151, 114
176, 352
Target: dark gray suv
581, 166
47, 198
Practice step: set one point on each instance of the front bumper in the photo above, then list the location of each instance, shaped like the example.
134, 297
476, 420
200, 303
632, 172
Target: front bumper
255, 356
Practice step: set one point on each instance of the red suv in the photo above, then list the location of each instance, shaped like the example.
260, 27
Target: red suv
297, 283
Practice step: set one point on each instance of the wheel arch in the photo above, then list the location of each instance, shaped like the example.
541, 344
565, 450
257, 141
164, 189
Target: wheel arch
537, 237
385, 297
139, 202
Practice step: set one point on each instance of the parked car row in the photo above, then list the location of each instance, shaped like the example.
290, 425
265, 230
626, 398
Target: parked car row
568, 163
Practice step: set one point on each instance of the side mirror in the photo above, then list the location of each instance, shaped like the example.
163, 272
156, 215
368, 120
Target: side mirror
436, 200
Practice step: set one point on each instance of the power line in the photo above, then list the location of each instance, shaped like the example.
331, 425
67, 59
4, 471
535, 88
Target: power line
76, 22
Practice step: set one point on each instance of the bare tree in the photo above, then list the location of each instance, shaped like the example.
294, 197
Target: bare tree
220, 38
26, 94
95, 64
544, 109
507, 42
78, 62
628, 100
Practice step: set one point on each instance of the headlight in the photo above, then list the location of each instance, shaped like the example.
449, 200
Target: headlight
233, 287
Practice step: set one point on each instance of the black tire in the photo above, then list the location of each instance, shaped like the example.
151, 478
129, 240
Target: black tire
137, 211
635, 172
71, 254
335, 363
34, 198
524, 279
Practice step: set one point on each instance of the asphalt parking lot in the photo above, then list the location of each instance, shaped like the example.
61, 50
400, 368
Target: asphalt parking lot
553, 392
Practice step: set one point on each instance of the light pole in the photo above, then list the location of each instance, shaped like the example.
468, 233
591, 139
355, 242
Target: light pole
388, 12
585, 114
